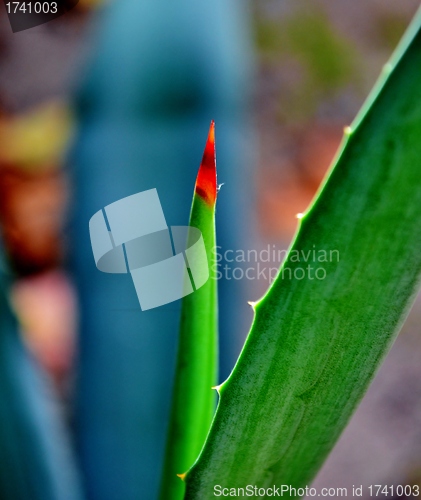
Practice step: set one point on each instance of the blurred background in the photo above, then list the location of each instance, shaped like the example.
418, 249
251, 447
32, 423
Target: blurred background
114, 98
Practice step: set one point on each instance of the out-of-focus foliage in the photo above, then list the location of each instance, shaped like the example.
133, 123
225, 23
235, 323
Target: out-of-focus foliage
321, 60
389, 28
35, 459
36, 139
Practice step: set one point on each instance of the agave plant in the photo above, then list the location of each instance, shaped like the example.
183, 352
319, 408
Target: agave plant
315, 343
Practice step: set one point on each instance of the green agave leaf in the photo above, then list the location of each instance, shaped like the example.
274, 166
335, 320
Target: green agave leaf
315, 344
194, 400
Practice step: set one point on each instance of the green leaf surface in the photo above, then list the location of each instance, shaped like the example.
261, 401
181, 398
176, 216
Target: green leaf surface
315, 344
194, 400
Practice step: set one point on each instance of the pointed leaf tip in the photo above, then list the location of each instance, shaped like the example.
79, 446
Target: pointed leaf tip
206, 186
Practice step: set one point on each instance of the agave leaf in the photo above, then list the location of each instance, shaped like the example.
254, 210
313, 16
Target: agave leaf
315, 344
194, 401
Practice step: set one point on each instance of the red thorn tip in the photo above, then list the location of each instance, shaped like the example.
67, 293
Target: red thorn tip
206, 178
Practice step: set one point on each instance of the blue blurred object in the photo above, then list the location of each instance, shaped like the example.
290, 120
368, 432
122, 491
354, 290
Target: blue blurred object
36, 462
160, 73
